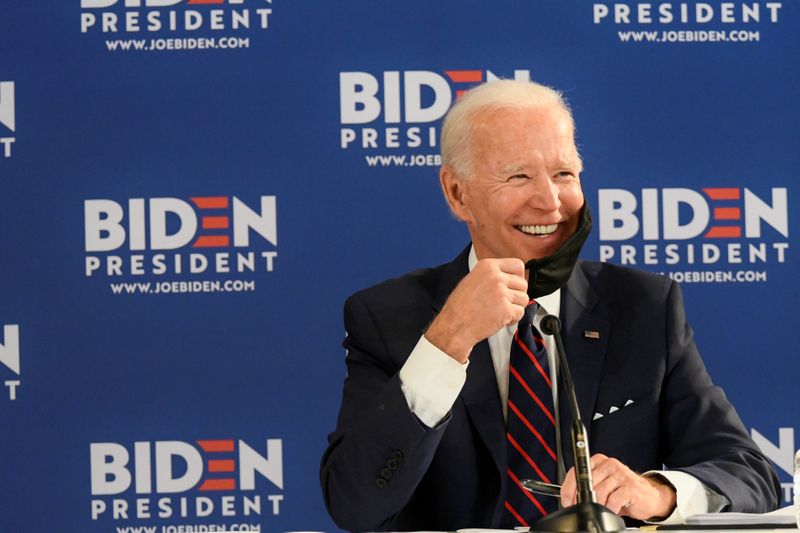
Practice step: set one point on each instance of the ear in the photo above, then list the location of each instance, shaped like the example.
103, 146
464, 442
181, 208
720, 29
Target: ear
454, 191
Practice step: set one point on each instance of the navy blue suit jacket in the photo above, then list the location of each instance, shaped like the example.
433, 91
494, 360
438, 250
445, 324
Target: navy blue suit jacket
384, 469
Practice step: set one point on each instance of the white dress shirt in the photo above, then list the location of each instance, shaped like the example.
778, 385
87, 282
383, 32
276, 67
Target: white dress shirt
428, 369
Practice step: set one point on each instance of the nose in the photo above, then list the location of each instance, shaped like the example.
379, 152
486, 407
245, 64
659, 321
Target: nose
544, 194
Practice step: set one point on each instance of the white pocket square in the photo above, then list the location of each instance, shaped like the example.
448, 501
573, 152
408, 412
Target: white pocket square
613, 409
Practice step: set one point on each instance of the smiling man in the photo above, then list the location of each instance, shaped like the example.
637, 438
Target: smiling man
448, 401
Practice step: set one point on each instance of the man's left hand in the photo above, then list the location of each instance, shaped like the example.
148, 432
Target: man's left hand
624, 491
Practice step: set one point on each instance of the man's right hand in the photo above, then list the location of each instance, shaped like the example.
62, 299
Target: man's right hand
492, 296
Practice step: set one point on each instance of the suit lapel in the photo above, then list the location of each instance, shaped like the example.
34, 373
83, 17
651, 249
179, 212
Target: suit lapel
584, 318
482, 400
452, 273
480, 394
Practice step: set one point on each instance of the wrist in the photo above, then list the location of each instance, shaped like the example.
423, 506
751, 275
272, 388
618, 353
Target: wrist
450, 340
667, 497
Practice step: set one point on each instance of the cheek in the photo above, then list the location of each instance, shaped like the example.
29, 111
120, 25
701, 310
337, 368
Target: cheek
508, 202
571, 200
490, 210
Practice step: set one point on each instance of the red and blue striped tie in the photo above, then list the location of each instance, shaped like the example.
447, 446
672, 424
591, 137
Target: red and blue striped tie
531, 430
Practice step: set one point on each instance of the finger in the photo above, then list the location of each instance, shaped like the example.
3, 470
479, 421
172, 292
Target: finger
516, 283
608, 475
514, 314
604, 467
512, 265
519, 298
569, 489
619, 501
605, 487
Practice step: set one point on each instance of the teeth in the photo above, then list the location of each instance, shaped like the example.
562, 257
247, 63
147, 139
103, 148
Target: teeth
538, 230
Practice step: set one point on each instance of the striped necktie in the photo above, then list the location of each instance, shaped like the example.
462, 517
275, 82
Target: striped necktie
531, 430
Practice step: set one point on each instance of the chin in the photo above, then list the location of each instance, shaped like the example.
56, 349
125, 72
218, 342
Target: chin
544, 251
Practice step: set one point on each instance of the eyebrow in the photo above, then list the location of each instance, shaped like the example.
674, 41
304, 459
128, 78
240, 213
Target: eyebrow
514, 168
561, 164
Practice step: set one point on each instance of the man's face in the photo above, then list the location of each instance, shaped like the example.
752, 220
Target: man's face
524, 197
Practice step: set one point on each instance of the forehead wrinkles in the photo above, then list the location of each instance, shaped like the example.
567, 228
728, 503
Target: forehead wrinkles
567, 155
532, 135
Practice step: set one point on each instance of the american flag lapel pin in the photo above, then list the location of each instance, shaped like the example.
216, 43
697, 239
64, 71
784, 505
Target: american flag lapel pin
591, 334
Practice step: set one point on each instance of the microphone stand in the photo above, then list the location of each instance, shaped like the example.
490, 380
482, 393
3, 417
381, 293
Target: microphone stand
587, 514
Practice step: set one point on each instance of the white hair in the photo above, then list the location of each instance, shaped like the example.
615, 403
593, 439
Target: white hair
490, 96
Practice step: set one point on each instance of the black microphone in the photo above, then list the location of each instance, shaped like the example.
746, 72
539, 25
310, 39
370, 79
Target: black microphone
587, 514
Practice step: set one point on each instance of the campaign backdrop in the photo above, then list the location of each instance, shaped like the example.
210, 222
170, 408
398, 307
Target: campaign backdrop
189, 190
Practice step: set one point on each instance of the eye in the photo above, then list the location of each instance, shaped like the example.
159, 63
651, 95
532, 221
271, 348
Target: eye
564, 175
518, 177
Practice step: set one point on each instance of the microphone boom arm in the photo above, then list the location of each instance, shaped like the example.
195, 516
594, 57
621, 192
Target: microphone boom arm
551, 325
587, 514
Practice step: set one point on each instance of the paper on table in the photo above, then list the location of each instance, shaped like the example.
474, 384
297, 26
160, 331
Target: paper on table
485, 530
780, 517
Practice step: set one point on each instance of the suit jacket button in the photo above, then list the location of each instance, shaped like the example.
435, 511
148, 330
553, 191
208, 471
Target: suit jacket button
381, 483
397, 454
392, 464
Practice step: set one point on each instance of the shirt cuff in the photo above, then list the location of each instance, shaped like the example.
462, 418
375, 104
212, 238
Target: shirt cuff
431, 381
691, 496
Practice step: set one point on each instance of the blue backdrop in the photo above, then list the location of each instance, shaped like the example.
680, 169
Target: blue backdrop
189, 189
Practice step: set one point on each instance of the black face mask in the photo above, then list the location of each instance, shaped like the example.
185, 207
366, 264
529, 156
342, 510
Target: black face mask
550, 273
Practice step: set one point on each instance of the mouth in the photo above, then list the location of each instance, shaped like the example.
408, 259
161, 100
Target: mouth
540, 230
